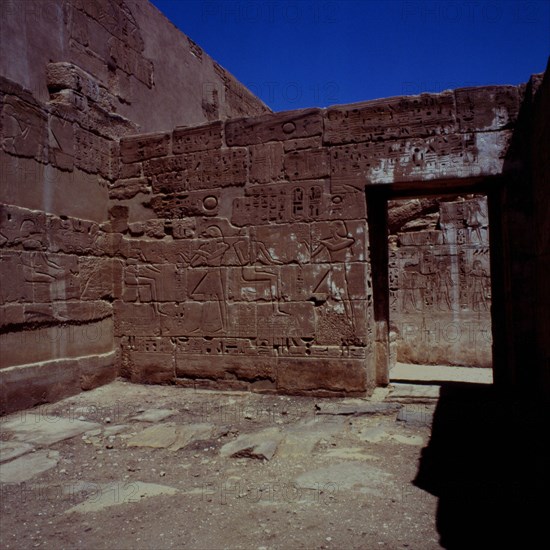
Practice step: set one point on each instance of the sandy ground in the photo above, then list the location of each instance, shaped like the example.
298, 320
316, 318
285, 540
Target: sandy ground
130, 466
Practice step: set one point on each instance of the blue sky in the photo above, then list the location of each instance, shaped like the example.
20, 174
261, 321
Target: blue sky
301, 53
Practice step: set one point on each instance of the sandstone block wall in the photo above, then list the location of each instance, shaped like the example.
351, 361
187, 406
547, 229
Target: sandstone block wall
158, 222
137, 58
246, 243
75, 77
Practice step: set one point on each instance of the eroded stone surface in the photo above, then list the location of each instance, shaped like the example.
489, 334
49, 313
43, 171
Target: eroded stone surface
345, 476
13, 449
260, 445
46, 429
105, 495
28, 466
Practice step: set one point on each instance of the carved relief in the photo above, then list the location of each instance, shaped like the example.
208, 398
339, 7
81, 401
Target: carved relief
274, 127
202, 170
266, 163
200, 138
424, 115
182, 205
439, 284
403, 160
24, 129
280, 203
307, 164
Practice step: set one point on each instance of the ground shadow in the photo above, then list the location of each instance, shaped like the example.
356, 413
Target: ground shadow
486, 461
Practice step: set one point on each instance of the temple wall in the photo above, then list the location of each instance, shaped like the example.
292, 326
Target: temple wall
75, 76
247, 242
440, 288
157, 221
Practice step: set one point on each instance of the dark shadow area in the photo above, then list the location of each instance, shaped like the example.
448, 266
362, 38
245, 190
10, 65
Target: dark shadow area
486, 462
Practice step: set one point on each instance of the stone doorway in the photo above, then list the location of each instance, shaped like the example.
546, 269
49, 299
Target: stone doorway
431, 260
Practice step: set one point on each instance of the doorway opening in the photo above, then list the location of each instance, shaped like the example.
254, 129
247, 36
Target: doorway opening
439, 282
432, 286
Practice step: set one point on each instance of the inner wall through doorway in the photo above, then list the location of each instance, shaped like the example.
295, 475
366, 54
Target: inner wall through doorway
439, 284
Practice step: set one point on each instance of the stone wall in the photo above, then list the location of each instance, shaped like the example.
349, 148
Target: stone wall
146, 233
252, 271
75, 77
246, 243
440, 286
137, 59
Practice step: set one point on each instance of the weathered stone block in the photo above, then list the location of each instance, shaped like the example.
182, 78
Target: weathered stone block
63, 75
56, 342
97, 370
200, 138
266, 163
150, 368
143, 147
486, 108
311, 376
393, 118
26, 386
274, 127
123, 189
307, 164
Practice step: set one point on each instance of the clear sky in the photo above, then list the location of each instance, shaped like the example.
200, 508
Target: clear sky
302, 53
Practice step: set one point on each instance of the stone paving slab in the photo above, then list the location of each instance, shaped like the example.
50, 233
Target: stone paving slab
46, 431
28, 466
154, 415
407, 372
105, 495
13, 449
345, 476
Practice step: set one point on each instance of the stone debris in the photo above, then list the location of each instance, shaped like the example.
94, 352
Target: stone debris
28, 466
171, 436
260, 445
